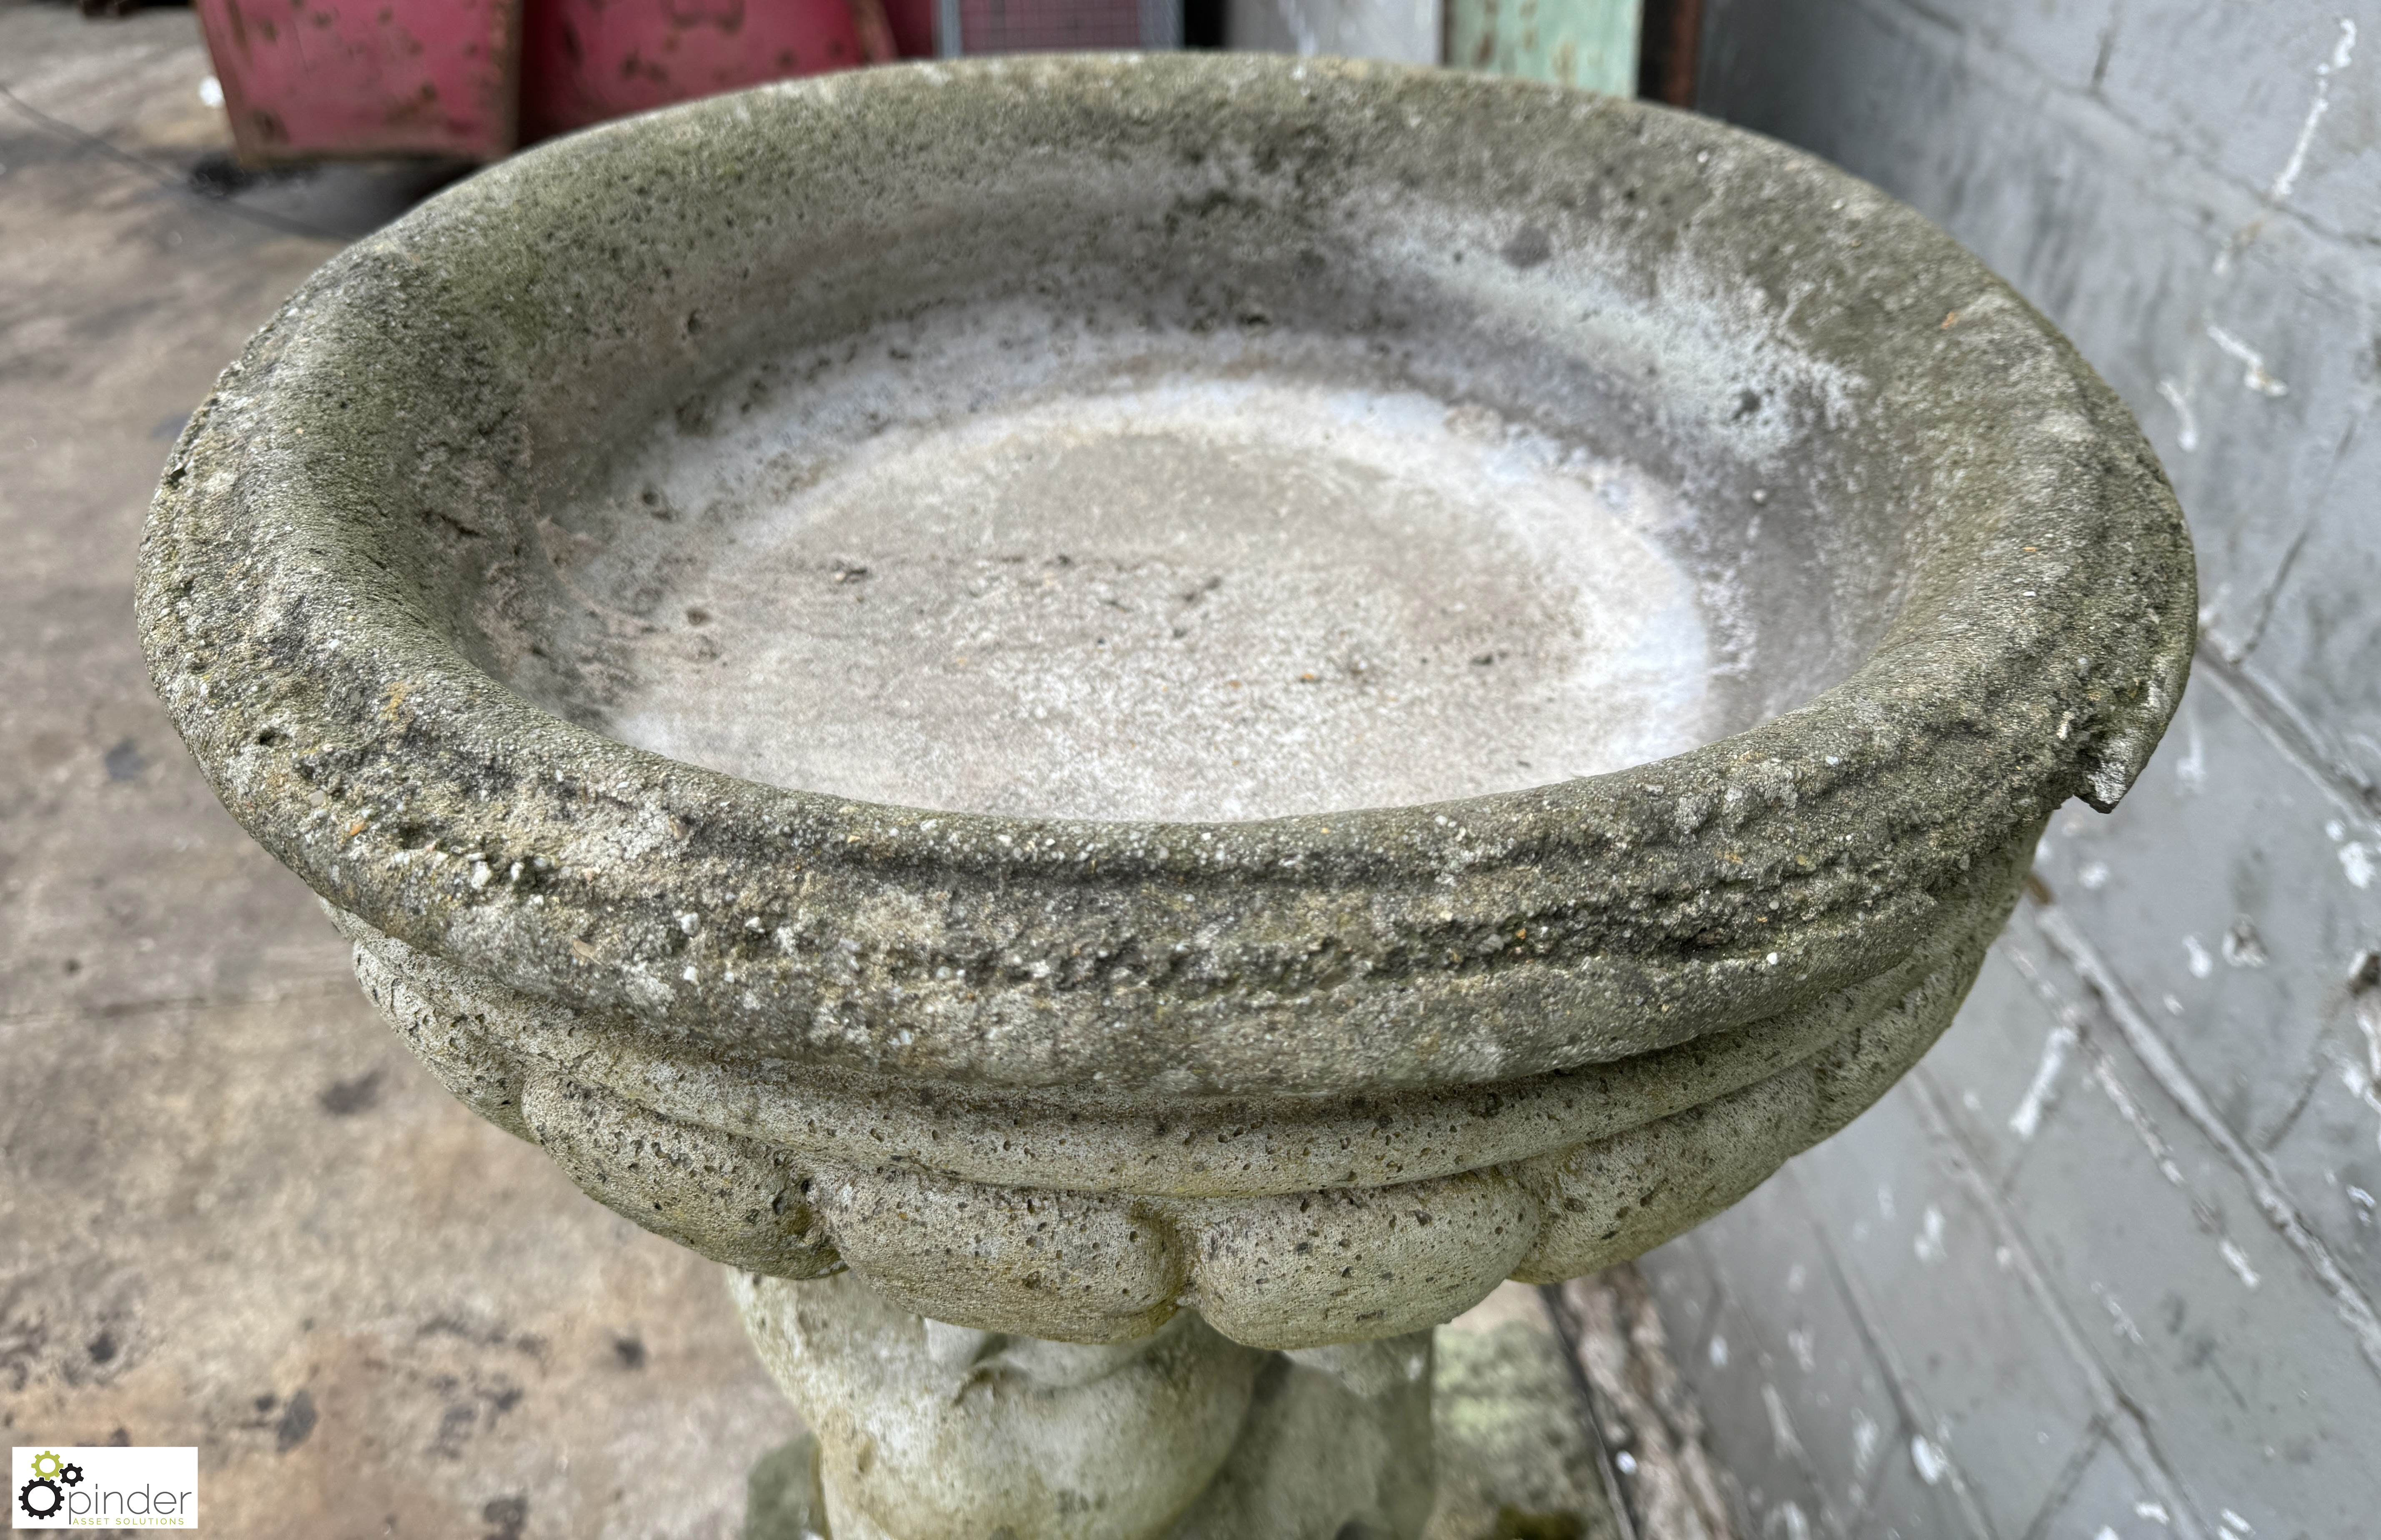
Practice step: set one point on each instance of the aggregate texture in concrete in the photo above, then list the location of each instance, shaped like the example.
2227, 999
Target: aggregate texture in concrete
234, 1212
363, 535
1516, 1456
2107, 1265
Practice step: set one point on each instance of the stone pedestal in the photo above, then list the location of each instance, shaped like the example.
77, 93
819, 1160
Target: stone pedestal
925, 1430
1511, 1451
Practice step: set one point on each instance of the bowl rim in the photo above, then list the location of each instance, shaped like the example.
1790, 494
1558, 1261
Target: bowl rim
1262, 955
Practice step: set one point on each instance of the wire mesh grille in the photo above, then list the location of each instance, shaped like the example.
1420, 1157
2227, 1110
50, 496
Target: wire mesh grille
1022, 26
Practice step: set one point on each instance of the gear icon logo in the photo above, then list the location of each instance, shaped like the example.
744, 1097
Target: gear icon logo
44, 1496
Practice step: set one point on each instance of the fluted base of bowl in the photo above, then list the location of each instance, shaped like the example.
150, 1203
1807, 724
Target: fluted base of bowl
926, 1430
1285, 1223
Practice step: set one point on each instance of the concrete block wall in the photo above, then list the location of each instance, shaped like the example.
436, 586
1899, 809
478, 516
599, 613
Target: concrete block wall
1405, 31
2105, 1265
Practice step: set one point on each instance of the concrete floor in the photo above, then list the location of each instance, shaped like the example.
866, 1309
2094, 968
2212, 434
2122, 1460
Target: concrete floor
234, 1213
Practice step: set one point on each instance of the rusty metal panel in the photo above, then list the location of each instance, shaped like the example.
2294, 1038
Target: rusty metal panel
1578, 42
1670, 37
584, 61
913, 27
307, 80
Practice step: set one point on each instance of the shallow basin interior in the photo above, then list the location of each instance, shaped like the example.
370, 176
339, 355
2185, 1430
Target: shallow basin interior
1171, 592
1122, 468
1003, 565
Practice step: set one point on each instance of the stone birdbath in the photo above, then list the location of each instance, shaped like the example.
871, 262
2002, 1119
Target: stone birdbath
1125, 726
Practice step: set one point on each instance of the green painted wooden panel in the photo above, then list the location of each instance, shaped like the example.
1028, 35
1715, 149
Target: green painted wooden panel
1579, 42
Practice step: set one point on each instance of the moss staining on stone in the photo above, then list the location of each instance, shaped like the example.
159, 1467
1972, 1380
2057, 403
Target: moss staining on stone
1957, 591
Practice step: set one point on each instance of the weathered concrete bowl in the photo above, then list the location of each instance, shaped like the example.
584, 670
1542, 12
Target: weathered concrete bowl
1102, 1029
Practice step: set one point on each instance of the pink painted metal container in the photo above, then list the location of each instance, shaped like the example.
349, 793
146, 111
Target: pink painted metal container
313, 80
584, 61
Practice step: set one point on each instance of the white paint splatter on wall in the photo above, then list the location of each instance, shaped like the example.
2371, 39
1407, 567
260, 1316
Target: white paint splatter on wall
2186, 437
2253, 375
2238, 1260
2341, 53
2027, 1119
1929, 1244
1781, 1427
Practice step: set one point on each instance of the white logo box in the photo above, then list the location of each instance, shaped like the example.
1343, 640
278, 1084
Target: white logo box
102, 1488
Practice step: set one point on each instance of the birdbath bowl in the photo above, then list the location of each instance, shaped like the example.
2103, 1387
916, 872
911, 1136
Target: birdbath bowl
1125, 727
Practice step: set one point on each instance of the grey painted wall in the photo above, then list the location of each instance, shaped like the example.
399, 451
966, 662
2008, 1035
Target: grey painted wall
2105, 1265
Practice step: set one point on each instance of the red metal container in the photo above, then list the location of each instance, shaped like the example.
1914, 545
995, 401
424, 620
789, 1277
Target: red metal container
913, 27
311, 80
306, 80
583, 61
